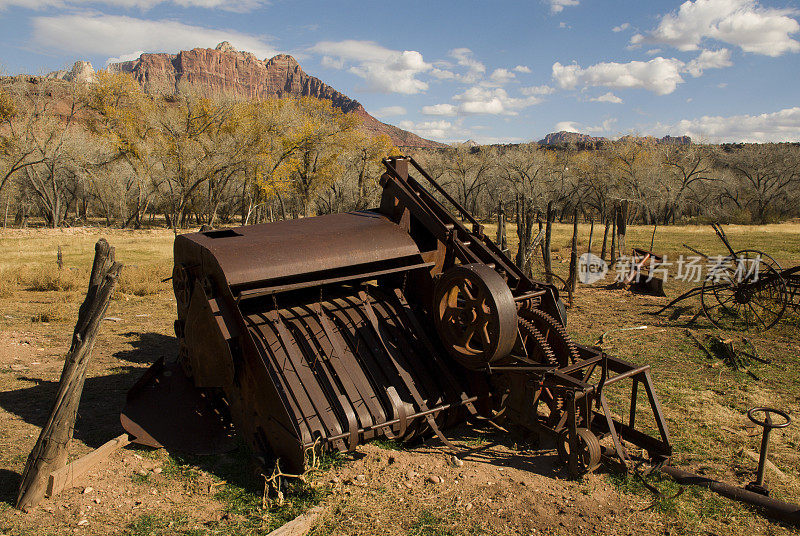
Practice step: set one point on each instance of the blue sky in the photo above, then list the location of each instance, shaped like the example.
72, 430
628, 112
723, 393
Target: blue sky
718, 70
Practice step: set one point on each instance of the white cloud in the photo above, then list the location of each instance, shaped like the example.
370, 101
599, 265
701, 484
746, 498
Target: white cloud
621, 28
557, 6
389, 111
483, 100
440, 109
537, 90
659, 75
567, 126
607, 97
522, 69
117, 36
500, 77
465, 58
783, 125
709, 59
126, 57
575, 126
438, 130
742, 23
443, 74
228, 5
479, 100
388, 71
653, 51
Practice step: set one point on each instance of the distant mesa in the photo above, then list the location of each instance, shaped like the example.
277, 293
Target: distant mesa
585, 141
226, 71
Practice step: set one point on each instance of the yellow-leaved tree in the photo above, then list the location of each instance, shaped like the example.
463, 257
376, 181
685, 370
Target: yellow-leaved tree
310, 155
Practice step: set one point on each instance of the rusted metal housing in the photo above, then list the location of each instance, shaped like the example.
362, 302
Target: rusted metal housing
398, 322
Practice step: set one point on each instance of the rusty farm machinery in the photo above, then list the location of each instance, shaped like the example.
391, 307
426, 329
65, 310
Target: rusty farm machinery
397, 322
745, 289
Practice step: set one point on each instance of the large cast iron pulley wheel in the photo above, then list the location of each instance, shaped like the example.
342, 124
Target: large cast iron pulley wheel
475, 315
588, 449
744, 291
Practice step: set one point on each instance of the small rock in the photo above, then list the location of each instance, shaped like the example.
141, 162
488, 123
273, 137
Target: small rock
468, 507
157, 470
137, 456
83, 522
360, 478
97, 501
88, 489
458, 462
433, 479
409, 485
17, 367
141, 472
412, 474
154, 491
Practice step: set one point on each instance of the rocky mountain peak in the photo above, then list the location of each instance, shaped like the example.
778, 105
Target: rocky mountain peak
225, 46
82, 72
283, 62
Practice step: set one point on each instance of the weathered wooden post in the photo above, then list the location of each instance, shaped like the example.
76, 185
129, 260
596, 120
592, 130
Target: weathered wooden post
622, 225
50, 451
548, 234
502, 239
573, 257
613, 258
605, 238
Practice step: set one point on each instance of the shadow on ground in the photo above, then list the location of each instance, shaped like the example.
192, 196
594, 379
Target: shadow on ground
148, 347
103, 396
9, 484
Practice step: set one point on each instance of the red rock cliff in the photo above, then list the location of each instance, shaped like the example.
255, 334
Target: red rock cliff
226, 71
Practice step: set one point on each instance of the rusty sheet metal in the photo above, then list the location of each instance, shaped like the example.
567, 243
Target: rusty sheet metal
250, 254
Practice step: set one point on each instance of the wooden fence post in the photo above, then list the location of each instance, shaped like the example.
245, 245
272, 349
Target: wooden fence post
548, 232
573, 257
502, 240
50, 451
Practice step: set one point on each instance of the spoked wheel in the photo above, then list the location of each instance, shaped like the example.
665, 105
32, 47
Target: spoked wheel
475, 315
744, 291
589, 450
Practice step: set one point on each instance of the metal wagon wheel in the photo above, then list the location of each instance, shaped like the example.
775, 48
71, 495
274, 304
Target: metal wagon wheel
744, 291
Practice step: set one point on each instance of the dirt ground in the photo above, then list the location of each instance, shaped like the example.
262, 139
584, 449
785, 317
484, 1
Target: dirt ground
507, 484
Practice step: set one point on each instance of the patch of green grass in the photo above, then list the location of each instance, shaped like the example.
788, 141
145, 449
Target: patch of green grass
178, 467
389, 444
140, 478
147, 525
665, 502
427, 524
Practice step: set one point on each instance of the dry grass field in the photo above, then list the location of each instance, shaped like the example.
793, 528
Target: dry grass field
509, 485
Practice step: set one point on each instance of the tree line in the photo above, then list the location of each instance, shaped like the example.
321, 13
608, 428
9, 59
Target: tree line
73, 153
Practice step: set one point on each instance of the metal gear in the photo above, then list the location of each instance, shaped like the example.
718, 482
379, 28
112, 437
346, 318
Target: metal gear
533, 344
555, 334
